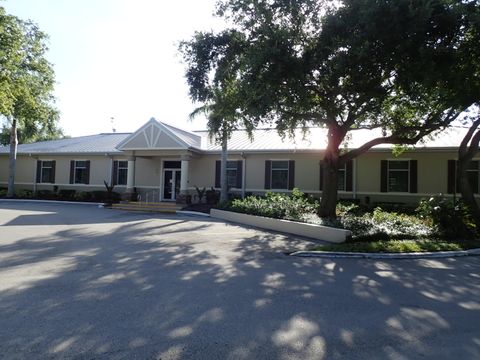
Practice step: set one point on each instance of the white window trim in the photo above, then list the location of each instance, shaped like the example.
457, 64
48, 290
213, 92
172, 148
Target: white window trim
271, 172
118, 171
408, 176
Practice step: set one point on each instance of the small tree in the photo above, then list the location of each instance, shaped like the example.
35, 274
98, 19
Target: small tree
26, 81
218, 92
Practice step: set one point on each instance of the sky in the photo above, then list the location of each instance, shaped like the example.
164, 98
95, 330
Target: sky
119, 59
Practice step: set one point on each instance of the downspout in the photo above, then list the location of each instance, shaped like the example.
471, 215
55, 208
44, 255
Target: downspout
354, 180
244, 172
110, 175
35, 174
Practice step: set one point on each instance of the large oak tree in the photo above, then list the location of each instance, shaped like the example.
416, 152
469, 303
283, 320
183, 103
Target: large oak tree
405, 68
26, 84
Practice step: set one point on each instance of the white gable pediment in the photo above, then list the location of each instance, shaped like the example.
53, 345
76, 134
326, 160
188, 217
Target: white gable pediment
153, 135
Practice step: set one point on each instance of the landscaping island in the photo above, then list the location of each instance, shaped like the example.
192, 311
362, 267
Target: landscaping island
437, 224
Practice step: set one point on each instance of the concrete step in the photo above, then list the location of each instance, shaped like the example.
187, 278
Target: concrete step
147, 207
152, 204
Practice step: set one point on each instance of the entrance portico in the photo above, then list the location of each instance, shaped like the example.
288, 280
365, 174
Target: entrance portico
174, 149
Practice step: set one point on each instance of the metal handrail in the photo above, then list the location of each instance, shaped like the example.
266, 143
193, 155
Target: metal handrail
149, 196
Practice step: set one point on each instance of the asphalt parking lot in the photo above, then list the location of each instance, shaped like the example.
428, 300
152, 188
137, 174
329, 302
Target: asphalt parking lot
82, 282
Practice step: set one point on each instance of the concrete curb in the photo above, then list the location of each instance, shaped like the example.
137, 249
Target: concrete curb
196, 213
52, 201
314, 231
359, 255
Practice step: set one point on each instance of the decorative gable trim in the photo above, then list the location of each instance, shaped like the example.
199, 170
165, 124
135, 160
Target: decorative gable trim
152, 135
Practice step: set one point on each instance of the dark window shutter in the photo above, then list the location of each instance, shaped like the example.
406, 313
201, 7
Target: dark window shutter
349, 175
452, 164
39, 171
321, 176
291, 174
239, 174
87, 172
54, 166
72, 171
218, 166
383, 175
413, 176
268, 170
115, 173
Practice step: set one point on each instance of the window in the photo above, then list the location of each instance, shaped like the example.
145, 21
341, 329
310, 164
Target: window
398, 175
279, 175
80, 172
232, 174
342, 178
121, 172
472, 174
47, 171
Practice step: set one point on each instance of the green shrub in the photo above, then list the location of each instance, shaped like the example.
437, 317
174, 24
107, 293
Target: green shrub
46, 194
348, 208
24, 194
396, 207
383, 225
212, 196
451, 219
82, 196
66, 194
276, 205
3, 193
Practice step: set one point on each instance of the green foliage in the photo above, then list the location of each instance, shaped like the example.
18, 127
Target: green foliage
66, 194
400, 246
3, 193
452, 219
397, 66
381, 224
212, 196
24, 194
26, 79
275, 205
82, 196
200, 193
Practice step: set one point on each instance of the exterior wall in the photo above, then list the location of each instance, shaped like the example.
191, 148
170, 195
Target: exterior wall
432, 173
147, 172
25, 177
25, 170
304, 164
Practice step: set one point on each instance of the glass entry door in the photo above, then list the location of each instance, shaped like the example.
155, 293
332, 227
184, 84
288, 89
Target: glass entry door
171, 184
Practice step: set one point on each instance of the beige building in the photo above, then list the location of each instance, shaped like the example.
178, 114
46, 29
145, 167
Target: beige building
159, 162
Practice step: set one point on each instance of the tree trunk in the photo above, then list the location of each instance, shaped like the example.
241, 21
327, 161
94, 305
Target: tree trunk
328, 204
331, 163
466, 189
223, 172
12, 159
466, 151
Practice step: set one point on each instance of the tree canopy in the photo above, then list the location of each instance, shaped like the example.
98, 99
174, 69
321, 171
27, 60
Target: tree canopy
26, 85
26, 78
407, 68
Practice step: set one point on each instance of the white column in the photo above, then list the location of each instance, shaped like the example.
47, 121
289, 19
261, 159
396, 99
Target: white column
184, 174
131, 174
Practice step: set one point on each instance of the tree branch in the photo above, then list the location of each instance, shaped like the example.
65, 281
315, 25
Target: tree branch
462, 150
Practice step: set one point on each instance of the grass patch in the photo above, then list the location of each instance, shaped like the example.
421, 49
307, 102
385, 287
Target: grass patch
400, 246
